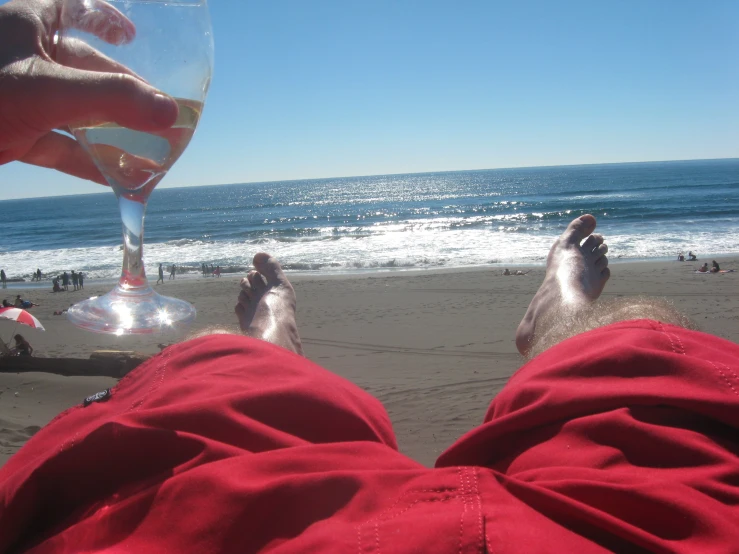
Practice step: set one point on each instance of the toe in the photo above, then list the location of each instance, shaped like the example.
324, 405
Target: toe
245, 297
600, 251
256, 281
246, 285
579, 228
605, 274
246, 290
241, 315
270, 268
591, 243
601, 263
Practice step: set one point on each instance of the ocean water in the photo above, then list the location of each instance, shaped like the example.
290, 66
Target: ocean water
429, 220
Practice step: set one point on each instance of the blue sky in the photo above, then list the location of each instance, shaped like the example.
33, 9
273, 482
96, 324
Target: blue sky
338, 88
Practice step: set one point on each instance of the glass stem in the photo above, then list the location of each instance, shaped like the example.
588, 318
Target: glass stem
133, 275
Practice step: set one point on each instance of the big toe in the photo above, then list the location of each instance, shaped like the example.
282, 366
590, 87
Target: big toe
579, 228
270, 268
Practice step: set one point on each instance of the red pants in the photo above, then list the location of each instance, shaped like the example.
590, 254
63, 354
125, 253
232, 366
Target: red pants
621, 439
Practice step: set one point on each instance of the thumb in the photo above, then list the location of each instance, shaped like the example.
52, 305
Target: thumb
65, 96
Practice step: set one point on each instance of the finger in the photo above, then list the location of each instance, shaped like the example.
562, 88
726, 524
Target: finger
100, 19
124, 169
76, 53
64, 154
63, 96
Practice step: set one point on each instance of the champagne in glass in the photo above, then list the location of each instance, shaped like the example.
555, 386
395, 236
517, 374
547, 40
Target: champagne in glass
169, 45
134, 161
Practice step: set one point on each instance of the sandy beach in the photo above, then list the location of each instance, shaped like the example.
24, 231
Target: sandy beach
434, 347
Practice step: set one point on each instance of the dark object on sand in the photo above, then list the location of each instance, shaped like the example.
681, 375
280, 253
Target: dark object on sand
107, 363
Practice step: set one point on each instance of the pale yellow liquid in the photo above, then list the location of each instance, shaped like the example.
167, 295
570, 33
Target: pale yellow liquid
134, 160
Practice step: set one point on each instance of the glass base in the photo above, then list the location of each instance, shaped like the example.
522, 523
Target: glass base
139, 312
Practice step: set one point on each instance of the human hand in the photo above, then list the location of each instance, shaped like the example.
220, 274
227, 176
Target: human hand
39, 95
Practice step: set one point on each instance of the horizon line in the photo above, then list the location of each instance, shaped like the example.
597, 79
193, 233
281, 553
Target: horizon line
384, 175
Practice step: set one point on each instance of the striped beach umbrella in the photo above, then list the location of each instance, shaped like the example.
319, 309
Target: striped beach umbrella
21, 316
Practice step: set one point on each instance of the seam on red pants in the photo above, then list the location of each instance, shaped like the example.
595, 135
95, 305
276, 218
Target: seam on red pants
470, 499
730, 372
673, 340
723, 375
478, 501
69, 443
388, 515
376, 522
462, 484
156, 380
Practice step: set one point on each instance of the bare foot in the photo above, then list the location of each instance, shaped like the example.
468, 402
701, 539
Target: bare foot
575, 277
266, 308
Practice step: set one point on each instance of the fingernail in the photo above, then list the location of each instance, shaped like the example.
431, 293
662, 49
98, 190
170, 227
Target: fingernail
165, 110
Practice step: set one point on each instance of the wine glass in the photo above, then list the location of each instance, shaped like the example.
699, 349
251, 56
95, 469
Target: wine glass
168, 44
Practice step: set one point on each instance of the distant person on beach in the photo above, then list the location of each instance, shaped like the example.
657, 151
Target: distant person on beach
75, 280
64, 311
38, 275
172, 271
204, 269
161, 274
619, 434
680, 257
22, 346
25, 304
81, 280
55, 285
217, 272
65, 280
3, 278
7, 304
212, 270
691, 257
715, 267
704, 268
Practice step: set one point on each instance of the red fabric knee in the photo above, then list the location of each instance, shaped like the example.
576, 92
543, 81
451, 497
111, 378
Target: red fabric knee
196, 403
628, 434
